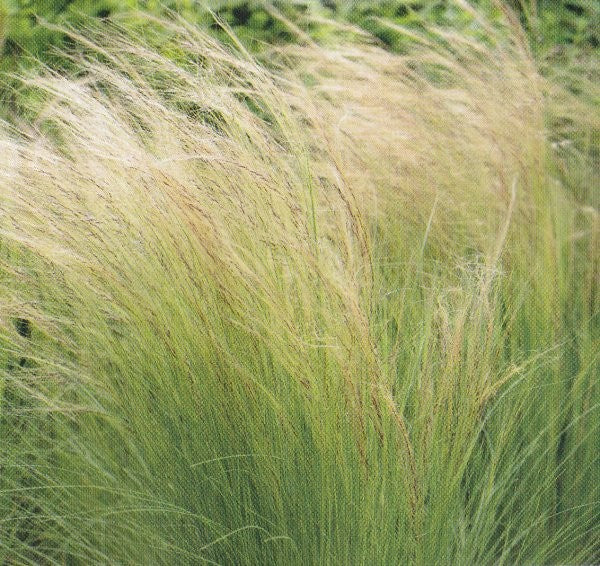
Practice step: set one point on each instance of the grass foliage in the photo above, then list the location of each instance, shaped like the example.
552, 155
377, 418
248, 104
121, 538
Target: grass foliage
336, 309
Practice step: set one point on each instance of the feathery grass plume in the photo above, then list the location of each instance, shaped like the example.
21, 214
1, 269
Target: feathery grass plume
330, 309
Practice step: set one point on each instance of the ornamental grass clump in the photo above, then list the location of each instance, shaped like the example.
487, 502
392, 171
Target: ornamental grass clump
332, 307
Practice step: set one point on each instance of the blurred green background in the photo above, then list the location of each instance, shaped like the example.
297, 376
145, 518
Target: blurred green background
550, 23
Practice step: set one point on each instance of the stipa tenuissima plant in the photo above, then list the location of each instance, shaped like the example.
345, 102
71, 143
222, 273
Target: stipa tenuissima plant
333, 309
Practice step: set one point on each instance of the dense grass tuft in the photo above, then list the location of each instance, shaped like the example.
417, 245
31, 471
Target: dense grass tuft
334, 309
